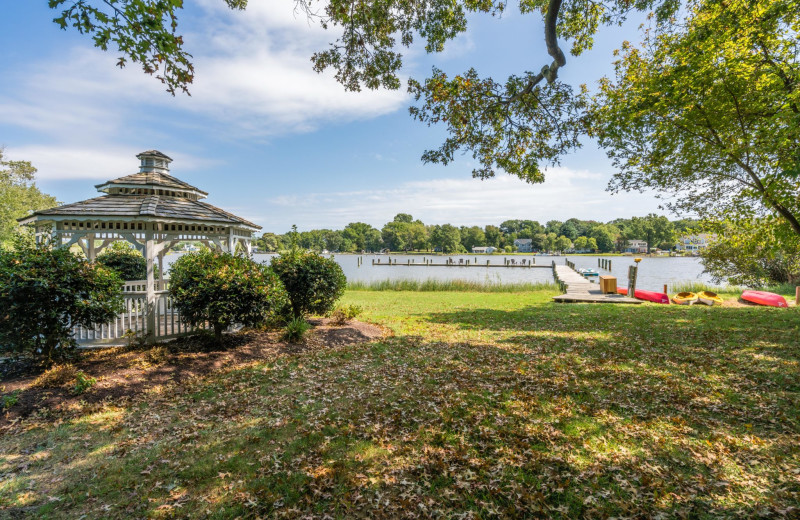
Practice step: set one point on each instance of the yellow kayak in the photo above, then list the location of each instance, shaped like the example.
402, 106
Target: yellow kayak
685, 298
708, 298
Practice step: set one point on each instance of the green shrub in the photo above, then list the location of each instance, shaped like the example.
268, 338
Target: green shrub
9, 400
83, 382
126, 261
44, 292
313, 282
296, 330
345, 313
222, 289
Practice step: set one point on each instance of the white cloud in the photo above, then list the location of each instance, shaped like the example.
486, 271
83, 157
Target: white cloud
462, 201
65, 162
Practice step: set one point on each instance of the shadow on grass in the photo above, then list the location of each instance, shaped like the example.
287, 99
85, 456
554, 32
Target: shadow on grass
612, 412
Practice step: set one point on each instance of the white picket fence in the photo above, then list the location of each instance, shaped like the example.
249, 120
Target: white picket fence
168, 321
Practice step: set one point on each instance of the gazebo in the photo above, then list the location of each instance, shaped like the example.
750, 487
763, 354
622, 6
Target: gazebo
152, 210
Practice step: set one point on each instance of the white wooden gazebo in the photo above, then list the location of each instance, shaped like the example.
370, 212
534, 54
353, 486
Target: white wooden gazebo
154, 211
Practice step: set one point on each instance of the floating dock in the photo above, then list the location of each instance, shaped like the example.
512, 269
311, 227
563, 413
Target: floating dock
581, 290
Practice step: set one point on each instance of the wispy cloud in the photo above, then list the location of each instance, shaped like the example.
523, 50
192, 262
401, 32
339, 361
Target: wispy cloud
68, 162
567, 193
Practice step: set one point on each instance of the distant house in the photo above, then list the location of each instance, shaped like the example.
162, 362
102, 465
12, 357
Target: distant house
636, 246
524, 245
693, 244
479, 250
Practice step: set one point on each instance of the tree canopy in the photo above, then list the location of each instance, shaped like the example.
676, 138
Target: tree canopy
18, 195
708, 112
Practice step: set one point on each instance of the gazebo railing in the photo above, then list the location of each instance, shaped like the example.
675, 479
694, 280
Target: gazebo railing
168, 320
141, 285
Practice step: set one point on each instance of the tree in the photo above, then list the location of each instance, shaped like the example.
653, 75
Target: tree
446, 238
492, 234
19, 196
143, 31
404, 234
313, 282
604, 237
374, 240
562, 243
591, 244
44, 292
569, 230
706, 112
653, 229
516, 125
222, 289
581, 243
124, 260
755, 253
358, 233
471, 237
269, 242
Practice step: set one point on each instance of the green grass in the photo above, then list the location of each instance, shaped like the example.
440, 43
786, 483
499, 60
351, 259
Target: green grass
449, 286
481, 404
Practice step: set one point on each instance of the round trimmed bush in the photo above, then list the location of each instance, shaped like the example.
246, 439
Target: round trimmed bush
44, 292
222, 289
128, 263
313, 282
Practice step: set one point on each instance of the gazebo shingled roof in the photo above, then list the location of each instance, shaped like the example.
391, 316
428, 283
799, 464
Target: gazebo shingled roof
169, 208
149, 193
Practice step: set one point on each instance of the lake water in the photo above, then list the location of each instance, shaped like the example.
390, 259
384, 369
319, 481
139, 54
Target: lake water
653, 272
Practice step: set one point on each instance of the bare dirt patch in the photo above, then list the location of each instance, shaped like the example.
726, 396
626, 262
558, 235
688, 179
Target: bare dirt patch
123, 374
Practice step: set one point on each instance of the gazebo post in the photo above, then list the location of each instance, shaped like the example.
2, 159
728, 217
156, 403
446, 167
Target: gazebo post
161, 269
231, 241
90, 251
149, 247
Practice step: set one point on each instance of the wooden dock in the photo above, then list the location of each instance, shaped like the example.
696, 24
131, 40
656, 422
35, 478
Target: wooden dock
581, 290
523, 264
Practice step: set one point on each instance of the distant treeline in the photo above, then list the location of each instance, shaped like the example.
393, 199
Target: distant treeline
406, 234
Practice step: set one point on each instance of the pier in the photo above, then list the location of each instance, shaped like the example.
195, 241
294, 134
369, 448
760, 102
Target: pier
580, 290
507, 263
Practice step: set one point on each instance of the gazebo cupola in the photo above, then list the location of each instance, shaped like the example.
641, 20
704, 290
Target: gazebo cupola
151, 209
154, 161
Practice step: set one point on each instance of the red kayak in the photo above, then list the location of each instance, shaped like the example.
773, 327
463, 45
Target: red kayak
765, 298
650, 296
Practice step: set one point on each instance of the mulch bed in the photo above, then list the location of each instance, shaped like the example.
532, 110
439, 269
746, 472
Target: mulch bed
123, 374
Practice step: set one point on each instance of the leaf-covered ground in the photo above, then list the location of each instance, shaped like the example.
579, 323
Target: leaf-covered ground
480, 405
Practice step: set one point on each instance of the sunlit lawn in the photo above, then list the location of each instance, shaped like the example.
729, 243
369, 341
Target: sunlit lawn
489, 404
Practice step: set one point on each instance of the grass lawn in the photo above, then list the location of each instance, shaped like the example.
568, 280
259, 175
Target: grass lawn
480, 405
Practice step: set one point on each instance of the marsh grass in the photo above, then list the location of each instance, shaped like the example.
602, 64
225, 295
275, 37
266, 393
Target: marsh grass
433, 285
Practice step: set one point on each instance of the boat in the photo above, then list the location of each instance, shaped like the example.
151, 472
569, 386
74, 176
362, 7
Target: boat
765, 298
708, 298
648, 296
588, 272
685, 298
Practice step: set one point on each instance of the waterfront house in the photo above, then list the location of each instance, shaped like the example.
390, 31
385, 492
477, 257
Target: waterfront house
693, 244
524, 245
480, 250
636, 246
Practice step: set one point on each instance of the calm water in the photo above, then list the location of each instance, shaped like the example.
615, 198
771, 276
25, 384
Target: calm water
653, 272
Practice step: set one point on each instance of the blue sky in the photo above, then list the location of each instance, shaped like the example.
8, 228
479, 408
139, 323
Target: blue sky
270, 139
